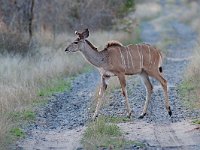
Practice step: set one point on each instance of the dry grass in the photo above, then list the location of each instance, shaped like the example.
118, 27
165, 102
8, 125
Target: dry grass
190, 88
21, 78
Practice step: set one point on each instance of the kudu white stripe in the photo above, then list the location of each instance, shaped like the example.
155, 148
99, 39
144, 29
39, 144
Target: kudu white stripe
141, 63
130, 56
126, 49
122, 58
149, 57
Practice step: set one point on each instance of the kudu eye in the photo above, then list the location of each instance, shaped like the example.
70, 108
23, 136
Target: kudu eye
75, 42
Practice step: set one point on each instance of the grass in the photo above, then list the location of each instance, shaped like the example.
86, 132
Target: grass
197, 121
103, 133
56, 86
17, 132
24, 116
190, 88
189, 92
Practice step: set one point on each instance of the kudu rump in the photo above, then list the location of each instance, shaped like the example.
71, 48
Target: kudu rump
118, 60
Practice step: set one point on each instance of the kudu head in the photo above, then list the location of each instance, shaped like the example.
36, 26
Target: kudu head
79, 43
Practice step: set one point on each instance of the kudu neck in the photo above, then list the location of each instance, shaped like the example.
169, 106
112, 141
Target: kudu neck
92, 54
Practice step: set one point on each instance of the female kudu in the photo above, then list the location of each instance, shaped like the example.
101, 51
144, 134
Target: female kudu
118, 60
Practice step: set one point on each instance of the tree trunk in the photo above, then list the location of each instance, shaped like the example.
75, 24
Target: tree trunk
30, 28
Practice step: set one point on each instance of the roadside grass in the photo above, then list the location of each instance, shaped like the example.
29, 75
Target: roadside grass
189, 92
104, 134
196, 121
25, 116
17, 132
56, 86
20, 119
190, 87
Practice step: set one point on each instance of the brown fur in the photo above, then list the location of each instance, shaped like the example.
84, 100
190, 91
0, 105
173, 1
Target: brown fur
113, 43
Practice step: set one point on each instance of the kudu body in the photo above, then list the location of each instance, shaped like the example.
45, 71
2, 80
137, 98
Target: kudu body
118, 60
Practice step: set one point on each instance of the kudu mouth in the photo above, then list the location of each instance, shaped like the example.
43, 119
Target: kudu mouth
66, 50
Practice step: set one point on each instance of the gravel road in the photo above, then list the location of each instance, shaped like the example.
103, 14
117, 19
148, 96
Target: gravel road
64, 117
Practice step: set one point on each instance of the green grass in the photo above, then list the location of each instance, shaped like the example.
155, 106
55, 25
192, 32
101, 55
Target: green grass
24, 116
103, 133
196, 121
101, 127
17, 132
188, 93
56, 86
60, 85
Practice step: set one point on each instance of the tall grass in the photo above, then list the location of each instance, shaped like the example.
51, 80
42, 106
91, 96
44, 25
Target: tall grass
190, 87
23, 77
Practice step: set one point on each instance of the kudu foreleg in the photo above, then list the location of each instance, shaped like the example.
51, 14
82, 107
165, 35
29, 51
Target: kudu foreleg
122, 81
102, 89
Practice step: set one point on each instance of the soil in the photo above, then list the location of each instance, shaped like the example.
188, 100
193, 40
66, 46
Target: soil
60, 124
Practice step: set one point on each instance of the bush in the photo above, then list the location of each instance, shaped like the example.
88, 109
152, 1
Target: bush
14, 43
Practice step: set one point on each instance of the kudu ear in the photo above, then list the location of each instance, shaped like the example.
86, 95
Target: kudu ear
79, 34
85, 33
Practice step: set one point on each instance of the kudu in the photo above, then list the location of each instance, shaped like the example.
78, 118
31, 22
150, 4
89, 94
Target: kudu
118, 60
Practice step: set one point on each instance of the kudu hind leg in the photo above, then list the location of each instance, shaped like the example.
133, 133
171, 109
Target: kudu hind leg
163, 82
122, 81
149, 89
102, 89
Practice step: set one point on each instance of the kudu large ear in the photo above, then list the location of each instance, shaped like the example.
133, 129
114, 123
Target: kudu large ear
79, 34
85, 33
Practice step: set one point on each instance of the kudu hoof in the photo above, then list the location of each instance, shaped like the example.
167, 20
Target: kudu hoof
129, 115
170, 112
141, 116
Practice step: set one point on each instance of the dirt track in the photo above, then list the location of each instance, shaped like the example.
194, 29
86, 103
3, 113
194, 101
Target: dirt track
60, 124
